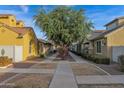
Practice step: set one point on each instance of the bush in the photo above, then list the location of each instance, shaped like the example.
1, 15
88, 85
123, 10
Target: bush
121, 61
42, 55
4, 61
102, 60
98, 60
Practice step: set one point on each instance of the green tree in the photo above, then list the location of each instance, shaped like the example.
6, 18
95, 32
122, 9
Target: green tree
63, 25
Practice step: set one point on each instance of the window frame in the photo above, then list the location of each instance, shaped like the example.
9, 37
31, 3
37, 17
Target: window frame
99, 46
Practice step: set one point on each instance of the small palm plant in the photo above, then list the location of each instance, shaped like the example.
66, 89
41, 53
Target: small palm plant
2, 52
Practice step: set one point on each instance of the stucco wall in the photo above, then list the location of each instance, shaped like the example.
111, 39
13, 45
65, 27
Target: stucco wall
103, 48
14, 52
10, 21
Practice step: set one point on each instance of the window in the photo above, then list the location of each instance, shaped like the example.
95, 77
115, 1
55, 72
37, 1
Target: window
98, 46
12, 20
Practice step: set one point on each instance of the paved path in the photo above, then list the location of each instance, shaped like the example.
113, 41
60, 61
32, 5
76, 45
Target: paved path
63, 77
78, 59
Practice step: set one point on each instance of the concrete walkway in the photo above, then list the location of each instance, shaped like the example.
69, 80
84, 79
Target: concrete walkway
63, 77
78, 59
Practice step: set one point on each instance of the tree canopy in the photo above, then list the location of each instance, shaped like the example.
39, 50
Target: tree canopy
64, 25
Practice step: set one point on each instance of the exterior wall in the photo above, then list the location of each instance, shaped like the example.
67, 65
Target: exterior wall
14, 52
116, 52
91, 45
10, 21
20, 24
103, 48
8, 37
9, 51
43, 49
27, 39
121, 21
115, 38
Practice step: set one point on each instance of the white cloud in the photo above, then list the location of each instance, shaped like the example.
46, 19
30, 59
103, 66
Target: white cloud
24, 8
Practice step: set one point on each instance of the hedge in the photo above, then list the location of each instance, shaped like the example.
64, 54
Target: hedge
4, 61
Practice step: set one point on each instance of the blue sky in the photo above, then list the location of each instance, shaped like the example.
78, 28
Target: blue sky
98, 14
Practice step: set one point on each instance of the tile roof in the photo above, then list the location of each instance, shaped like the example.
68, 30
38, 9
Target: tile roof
96, 34
5, 15
122, 17
19, 30
107, 32
19, 21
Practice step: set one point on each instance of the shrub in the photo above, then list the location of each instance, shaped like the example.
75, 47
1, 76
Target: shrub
98, 60
121, 61
4, 61
102, 60
42, 55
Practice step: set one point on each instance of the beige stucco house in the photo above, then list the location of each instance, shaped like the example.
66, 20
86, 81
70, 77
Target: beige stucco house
109, 43
45, 47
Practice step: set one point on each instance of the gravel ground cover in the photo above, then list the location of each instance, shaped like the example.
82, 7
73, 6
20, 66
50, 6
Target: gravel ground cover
31, 81
22, 65
101, 86
85, 69
45, 66
113, 69
4, 76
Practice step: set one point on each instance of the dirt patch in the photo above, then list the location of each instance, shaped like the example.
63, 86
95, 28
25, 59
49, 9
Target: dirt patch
85, 69
4, 76
45, 66
101, 86
31, 81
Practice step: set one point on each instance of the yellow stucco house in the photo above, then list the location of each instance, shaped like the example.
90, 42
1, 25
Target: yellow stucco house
110, 42
18, 41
